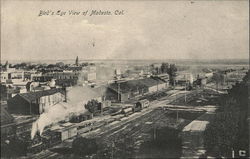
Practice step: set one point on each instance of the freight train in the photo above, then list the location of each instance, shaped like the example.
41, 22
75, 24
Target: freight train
77, 125
55, 134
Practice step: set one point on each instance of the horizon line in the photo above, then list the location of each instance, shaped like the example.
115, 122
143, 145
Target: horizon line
88, 59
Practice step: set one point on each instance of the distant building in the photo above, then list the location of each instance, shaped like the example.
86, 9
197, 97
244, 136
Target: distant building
164, 77
184, 78
88, 76
61, 78
4, 76
17, 75
71, 77
200, 82
35, 102
75, 68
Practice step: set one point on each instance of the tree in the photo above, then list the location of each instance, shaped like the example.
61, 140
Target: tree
164, 67
218, 78
229, 128
222, 133
172, 73
92, 106
51, 66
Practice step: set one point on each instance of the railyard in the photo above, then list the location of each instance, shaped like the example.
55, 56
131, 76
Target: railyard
134, 130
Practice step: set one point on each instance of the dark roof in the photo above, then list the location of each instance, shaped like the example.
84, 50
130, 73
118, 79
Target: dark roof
134, 85
75, 68
6, 118
149, 82
36, 95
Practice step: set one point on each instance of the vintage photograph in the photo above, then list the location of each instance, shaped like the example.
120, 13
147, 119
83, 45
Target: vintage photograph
106, 79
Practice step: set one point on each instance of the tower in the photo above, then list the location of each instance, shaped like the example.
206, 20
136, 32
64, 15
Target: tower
6, 65
76, 63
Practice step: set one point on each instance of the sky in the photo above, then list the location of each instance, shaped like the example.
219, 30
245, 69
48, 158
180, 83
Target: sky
147, 30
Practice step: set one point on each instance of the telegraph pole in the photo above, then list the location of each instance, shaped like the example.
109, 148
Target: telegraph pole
177, 116
154, 133
118, 92
177, 113
185, 88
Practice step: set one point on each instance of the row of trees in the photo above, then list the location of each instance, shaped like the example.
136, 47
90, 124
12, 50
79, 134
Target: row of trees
29, 66
229, 130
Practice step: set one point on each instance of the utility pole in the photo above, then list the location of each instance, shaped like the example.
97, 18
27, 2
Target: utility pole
185, 88
177, 113
157, 86
112, 150
177, 116
154, 133
118, 91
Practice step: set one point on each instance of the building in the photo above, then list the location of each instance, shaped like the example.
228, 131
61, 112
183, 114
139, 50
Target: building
88, 76
123, 91
35, 102
200, 82
184, 79
68, 78
153, 84
164, 77
61, 78
12, 75
4, 76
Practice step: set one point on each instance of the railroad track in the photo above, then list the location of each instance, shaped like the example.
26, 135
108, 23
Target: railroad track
133, 127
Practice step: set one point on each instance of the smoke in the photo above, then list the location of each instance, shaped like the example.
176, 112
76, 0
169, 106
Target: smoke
77, 97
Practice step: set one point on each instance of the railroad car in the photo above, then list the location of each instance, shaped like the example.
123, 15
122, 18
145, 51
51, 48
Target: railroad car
97, 125
138, 106
110, 120
84, 127
127, 111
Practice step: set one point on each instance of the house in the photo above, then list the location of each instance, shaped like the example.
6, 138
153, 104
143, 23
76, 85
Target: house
35, 102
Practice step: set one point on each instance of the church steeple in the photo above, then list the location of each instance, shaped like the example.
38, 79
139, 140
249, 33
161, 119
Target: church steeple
76, 63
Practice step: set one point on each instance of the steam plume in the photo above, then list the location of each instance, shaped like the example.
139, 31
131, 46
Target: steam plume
77, 97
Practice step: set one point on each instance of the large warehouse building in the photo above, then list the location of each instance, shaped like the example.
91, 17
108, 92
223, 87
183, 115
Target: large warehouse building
35, 102
126, 90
